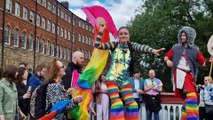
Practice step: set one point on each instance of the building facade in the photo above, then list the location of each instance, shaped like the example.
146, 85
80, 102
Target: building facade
35, 31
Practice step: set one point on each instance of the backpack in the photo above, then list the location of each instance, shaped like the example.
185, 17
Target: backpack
131, 65
38, 101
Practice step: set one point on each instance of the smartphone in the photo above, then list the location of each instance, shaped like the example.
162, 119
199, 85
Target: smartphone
29, 89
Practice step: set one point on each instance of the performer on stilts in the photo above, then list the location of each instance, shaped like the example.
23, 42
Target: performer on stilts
118, 74
184, 58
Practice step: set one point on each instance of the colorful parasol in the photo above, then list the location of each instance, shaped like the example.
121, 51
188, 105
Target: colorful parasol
210, 50
94, 12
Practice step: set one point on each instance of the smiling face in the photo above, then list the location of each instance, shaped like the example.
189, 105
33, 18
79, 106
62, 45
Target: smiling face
61, 69
123, 35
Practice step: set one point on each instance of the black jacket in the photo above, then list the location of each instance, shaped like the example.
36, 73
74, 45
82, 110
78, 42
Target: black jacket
24, 104
69, 70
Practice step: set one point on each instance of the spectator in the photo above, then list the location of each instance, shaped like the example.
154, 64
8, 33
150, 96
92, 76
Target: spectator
201, 92
208, 97
8, 94
137, 87
152, 87
73, 67
24, 65
38, 77
102, 99
55, 91
23, 93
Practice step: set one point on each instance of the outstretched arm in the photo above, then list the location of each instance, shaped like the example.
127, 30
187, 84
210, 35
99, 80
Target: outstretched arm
146, 49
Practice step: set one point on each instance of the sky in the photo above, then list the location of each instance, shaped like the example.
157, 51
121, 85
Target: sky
121, 10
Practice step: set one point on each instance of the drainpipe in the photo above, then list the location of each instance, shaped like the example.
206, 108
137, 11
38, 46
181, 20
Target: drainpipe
35, 36
2, 42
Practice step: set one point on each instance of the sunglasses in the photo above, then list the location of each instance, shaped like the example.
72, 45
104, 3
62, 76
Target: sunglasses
121, 33
61, 67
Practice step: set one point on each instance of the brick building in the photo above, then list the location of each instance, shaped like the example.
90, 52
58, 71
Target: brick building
34, 31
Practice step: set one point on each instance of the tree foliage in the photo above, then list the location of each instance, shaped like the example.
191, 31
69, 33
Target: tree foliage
157, 24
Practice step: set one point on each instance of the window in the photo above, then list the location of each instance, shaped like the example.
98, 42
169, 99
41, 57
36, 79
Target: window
44, 3
7, 35
24, 40
79, 37
65, 34
82, 39
59, 12
17, 9
53, 9
79, 24
16, 38
25, 11
68, 35
42, 46
49, 6
31, 16
73, 37
43, 23
65, 17
65, 53
62, 32
38, 20
69, 19
9, 5
48, 25
61, 52
86, 40
39, 1
82, 25
62, 14
37, 44
48, 48
31, 42
85, 54
53, 27
73, 22
58, 30
68, 54
52, 49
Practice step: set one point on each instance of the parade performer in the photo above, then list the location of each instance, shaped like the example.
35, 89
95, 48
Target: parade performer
183, 58
118, 74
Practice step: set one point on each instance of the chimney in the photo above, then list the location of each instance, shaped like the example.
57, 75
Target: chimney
65, 4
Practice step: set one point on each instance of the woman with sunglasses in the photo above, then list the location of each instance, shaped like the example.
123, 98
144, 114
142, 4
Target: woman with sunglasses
55, 91
118, 74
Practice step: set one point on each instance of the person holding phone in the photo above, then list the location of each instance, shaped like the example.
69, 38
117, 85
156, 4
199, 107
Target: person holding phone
23, 93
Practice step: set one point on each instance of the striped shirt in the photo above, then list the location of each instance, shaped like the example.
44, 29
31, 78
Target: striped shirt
112, 45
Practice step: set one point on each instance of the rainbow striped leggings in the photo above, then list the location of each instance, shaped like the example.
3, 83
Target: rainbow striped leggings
117, 109
190, 108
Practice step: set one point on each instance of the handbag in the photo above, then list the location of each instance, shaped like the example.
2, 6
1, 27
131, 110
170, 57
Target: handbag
209, 109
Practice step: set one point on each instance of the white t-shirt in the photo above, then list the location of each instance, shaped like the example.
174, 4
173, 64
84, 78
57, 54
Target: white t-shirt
137, 86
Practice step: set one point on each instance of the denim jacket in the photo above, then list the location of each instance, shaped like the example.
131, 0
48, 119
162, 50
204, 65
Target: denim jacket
8, 99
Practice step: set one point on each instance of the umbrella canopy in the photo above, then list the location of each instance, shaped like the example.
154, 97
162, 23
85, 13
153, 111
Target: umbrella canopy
94, 12
210, 46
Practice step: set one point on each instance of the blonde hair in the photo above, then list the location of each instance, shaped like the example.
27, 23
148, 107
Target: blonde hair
209, 78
